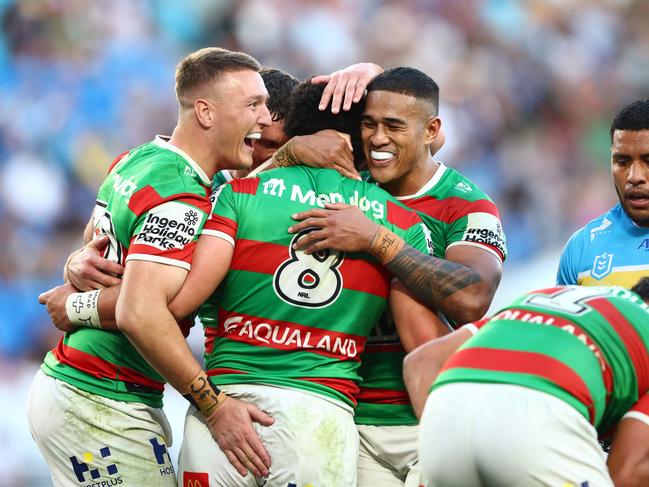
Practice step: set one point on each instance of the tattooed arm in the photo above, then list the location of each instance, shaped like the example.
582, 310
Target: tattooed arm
461, 285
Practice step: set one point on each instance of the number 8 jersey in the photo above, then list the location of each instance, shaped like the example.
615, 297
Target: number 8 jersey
286, 318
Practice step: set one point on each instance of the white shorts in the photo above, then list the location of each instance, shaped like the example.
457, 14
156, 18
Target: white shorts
388, 456
92, 441
313, 441
474, 434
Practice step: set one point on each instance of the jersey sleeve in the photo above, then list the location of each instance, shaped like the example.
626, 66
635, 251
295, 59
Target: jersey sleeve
478, 224
167, 232
476, 325
223, 221
567, 273
640, 410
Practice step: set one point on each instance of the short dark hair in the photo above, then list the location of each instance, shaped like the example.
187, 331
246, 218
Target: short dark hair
280, 85
634, 116
304, 117
641, 288
206, 65
407, 81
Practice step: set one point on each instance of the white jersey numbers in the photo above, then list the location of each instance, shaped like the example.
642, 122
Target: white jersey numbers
310, 281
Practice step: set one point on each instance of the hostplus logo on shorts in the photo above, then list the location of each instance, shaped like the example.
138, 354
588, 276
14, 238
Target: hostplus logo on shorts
162, 457
85, 473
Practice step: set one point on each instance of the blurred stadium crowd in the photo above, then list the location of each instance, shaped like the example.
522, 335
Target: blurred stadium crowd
528, 90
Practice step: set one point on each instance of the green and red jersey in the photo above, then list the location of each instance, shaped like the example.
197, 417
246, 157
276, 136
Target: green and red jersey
152, 205
289, 319
456, 212
588, 346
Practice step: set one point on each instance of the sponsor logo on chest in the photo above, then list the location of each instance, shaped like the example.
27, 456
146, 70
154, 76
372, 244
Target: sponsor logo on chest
288, 336
277, 187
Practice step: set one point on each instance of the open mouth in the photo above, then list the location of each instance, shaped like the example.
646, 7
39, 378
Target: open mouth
637, 199
381, 158
249, 139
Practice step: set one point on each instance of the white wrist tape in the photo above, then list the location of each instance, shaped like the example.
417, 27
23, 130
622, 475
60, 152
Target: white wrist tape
82, 309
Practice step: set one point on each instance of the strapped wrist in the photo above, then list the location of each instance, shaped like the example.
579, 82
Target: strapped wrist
385, 245
83, 309
203, 394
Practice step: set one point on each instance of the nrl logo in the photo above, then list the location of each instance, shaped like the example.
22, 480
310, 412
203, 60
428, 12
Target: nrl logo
602, 266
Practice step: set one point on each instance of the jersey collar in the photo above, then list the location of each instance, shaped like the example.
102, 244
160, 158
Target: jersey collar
429, 185
162, 141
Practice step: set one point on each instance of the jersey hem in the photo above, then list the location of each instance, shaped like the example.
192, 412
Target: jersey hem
99, 391
637, 415
219, 234
159, 260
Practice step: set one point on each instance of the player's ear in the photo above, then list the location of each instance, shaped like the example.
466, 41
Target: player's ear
203, 113
433, 127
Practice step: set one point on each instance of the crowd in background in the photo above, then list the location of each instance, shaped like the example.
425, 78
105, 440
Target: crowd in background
528, 90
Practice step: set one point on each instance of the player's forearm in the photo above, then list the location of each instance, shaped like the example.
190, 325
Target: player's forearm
450, 287
156, 335
106, 307
419, 372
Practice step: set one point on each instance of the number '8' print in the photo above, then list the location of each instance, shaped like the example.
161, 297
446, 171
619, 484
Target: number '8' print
309, 281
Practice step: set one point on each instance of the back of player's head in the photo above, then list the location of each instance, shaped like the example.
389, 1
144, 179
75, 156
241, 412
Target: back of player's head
641, 288
280, 85
634, 116
408, 81
207, 65
304, 117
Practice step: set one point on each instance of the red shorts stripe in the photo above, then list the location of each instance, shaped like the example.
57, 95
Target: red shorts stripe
100, 368
347, 387
525, 363
383, 396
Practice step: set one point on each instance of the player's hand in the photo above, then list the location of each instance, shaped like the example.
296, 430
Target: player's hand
231, 427
346, 86
327, 149
88, 270
338, 227
54, 300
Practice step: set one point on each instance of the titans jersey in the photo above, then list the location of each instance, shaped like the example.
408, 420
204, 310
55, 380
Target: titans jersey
611, 250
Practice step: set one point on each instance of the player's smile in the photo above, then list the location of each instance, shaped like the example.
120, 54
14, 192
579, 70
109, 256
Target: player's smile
381, 158
249, 139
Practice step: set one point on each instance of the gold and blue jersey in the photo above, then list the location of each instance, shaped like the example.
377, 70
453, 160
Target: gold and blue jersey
611, 250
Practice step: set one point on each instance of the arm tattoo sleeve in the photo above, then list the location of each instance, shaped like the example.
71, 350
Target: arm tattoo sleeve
431, 279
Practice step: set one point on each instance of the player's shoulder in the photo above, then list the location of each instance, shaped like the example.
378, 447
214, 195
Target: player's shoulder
452, 183
165, 168
601, 225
